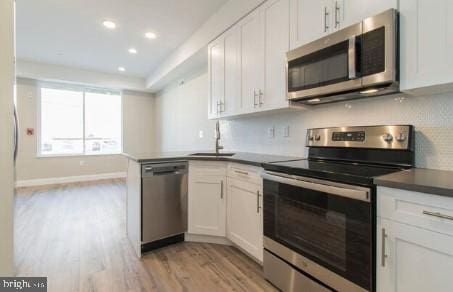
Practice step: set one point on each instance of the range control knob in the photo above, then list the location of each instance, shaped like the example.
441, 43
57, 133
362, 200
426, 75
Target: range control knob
311, 138
387, 137
317, 137
401, 137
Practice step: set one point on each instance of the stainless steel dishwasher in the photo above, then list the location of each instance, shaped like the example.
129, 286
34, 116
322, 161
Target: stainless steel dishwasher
164, 203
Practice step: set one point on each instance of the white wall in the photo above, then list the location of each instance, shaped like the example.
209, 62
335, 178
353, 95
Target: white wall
6, 136
138, 136
182, 111
231, 12
59, 73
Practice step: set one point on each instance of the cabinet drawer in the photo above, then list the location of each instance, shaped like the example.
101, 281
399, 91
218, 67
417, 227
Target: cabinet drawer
426, 211
210, 168
246, 173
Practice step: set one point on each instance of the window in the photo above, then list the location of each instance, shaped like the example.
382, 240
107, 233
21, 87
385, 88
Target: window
79, 122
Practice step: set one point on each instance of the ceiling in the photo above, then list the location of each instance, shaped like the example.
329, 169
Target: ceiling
70, 32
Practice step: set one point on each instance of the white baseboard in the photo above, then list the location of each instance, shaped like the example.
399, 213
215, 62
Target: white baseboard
68, 179
207, 239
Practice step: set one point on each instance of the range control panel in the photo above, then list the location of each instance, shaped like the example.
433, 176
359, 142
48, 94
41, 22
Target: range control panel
376, 137
349, 136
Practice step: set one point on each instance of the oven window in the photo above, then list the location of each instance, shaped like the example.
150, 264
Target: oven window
331, 230
324, 67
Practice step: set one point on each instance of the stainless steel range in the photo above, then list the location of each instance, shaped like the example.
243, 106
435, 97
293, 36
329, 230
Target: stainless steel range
319, 213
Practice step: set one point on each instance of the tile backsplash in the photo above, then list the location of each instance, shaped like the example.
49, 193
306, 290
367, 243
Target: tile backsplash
432, 117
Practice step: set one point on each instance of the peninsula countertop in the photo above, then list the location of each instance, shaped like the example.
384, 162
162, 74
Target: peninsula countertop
239, 157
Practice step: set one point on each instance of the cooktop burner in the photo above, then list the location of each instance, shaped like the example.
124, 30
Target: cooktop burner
345, 172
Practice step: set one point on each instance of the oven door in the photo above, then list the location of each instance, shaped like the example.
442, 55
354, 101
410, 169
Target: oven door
325, 66
322, 228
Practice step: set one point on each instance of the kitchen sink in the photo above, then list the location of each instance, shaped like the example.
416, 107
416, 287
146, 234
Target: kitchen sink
213, 154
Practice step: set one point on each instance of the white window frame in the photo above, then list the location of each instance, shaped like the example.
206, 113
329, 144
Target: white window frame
83, 89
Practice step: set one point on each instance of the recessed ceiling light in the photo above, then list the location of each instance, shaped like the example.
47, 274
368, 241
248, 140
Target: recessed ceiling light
109, 24
151, 35
121, 69
133, 51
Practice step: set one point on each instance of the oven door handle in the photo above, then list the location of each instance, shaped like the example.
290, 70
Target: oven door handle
358, 193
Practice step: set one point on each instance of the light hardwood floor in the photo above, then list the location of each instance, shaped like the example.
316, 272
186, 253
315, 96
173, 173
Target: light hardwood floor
75, 235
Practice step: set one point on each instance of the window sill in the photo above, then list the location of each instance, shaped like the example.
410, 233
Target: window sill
40, 156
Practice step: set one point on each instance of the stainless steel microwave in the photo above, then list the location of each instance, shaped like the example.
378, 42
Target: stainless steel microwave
356, 62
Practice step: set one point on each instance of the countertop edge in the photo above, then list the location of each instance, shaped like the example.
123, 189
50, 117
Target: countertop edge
430, 190
207, 158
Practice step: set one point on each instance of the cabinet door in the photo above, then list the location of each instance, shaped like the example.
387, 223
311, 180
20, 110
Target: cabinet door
232, 103
426, 29
276, 26
252, 43
245, 223
309, 20
207, 207
417, 260
216, 60
349, 12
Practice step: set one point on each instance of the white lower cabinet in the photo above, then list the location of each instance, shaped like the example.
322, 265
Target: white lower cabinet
414, 244
412, 259
207, 201
225, 201
245, 216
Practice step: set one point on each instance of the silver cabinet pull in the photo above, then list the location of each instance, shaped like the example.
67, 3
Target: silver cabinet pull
258, 202
337, 12
383, 255
221, 189
260, 96
241, 172
254, 98
438, 215
218, 106
326, 14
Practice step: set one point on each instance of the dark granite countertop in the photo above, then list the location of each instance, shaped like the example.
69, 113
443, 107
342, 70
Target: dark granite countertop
437, 182
239, 157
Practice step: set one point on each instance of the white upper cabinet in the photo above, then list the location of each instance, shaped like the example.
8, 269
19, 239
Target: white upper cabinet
309, 20
349, 12
232, 102
426, 32
313, 19
252, 43
276, 34
216, 71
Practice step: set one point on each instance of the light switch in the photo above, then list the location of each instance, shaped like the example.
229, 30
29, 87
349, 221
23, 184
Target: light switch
201, 134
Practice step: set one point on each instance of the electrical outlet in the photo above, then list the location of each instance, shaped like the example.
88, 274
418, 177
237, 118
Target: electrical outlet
271, 132
286, 132
201, 134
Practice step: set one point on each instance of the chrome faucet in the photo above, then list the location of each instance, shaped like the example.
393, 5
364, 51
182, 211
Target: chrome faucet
217, 138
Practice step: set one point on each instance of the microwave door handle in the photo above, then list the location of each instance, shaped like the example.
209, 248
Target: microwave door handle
352, 58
